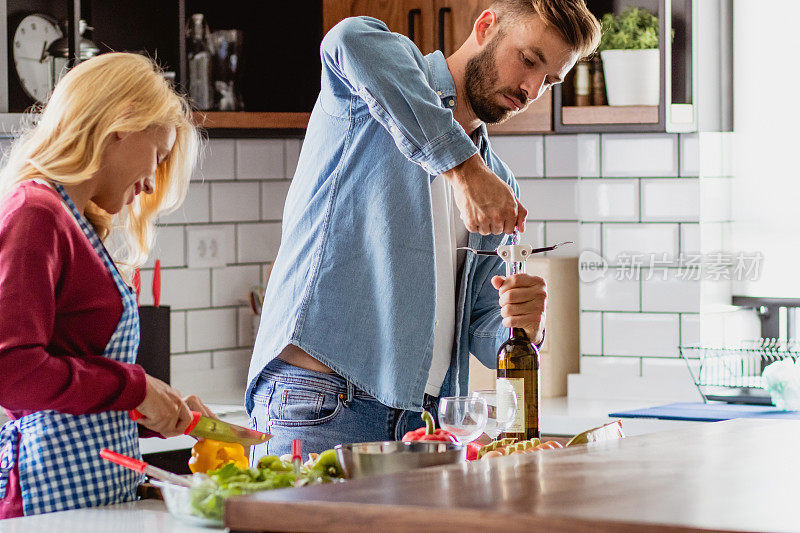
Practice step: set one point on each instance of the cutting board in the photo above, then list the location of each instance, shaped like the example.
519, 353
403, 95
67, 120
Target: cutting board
708, 412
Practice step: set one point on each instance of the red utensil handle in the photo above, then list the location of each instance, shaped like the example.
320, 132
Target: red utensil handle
135, 415
297, 447
157, 284
123, 460
137, 283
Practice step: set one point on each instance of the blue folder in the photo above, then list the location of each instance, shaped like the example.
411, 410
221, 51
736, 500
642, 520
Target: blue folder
707, 412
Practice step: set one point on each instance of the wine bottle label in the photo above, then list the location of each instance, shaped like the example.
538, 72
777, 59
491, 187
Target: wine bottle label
518, 384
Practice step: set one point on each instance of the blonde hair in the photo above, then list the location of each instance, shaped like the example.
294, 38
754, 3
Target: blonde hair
114, 92
571, 18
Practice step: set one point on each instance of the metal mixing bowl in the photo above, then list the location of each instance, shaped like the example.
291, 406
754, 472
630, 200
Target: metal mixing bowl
372, 458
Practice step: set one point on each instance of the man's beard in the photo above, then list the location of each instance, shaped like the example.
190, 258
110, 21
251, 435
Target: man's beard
480, 78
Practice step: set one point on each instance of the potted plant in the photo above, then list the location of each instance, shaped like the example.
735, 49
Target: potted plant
629, 49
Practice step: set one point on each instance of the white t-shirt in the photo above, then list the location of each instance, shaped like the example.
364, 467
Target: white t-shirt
449, 233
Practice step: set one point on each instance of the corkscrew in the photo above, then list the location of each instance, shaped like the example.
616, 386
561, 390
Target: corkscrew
513, 254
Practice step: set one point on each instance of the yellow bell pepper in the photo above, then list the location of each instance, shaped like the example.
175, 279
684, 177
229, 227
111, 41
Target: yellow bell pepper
208, 454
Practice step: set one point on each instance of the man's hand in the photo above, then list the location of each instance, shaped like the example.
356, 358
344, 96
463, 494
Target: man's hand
486, 203
522, 301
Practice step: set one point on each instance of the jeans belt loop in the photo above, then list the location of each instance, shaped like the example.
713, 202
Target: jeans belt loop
351, 393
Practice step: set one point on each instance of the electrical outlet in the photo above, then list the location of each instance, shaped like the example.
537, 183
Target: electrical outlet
205, 248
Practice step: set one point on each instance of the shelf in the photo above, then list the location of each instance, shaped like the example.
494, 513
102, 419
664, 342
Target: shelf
251, 120
538, 118
606, 114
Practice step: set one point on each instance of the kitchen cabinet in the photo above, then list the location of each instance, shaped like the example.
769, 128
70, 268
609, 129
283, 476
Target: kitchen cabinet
409, 17
442, 25
690, 98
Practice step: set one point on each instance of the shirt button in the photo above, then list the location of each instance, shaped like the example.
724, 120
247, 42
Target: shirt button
439, 93
451, 103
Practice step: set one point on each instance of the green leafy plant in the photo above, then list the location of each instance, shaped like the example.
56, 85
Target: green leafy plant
633, 29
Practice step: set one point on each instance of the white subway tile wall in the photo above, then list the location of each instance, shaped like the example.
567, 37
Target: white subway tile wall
169, 247
668, 200
639, 155
623, 242
641, 334
549, 199
523, 154
195, 209
690, 154
611, 193
614, 291
591, 330
258, 243
211, 323
611, 200
235, 202
261, 159
218, 161
660, 195
557, 232
669, 290
570, 156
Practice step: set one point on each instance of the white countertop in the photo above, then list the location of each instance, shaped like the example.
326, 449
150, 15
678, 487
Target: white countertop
569, 416
144, 516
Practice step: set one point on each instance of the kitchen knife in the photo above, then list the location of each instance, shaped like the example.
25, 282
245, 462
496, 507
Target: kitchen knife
210, 428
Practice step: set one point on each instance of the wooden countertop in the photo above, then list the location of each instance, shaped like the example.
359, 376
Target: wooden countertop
739, 475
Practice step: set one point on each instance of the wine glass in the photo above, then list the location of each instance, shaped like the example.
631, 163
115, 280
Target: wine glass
502, 407
463, 416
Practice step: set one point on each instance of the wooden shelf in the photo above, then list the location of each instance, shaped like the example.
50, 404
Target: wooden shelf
606, 114
251, 120
538, 118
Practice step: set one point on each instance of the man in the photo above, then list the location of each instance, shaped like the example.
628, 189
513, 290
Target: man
371, 312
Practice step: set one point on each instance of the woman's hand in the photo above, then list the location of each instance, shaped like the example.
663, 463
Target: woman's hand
163, 410
196, 404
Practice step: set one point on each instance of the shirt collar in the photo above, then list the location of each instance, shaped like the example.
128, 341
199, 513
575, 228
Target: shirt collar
443, 82
445, 88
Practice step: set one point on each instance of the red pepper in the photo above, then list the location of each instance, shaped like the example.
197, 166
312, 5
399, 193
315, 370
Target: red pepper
428, 433
472, 450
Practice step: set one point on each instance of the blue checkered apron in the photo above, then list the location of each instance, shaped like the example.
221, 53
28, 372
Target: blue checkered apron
58, 454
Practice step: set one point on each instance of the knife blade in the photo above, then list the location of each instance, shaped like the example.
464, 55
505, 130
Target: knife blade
209, 428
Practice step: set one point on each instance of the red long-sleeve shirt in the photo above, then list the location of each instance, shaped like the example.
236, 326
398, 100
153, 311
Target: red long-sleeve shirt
59, 307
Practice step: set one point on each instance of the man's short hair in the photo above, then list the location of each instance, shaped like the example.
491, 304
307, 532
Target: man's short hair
571, 18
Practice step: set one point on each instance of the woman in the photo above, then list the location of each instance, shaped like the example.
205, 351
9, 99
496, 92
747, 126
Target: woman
69, 326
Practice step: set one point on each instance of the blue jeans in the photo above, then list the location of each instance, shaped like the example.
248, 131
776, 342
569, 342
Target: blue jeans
322, 410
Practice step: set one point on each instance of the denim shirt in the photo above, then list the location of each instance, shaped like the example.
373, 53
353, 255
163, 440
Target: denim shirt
353, 283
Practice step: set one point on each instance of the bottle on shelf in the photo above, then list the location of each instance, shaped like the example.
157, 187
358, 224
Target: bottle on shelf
598, 81
518, 365
583, 84
199, 62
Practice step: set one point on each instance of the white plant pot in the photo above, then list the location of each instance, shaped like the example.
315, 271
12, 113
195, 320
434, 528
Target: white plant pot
632, 76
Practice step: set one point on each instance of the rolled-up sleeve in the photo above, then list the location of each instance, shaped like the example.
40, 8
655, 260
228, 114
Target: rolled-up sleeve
385, 70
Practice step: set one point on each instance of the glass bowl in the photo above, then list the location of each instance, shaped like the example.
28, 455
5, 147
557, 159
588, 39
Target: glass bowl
179, 503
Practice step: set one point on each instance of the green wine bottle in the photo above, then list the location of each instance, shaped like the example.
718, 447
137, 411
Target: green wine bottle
518, 365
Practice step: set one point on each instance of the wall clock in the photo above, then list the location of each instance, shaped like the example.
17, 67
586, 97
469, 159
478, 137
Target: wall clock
29, 46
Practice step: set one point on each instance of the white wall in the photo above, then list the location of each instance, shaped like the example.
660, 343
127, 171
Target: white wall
766, 193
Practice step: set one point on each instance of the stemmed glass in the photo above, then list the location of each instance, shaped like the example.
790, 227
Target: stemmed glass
502, 407
463, 416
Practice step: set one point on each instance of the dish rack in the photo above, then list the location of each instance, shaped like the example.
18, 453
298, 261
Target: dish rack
733, 375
